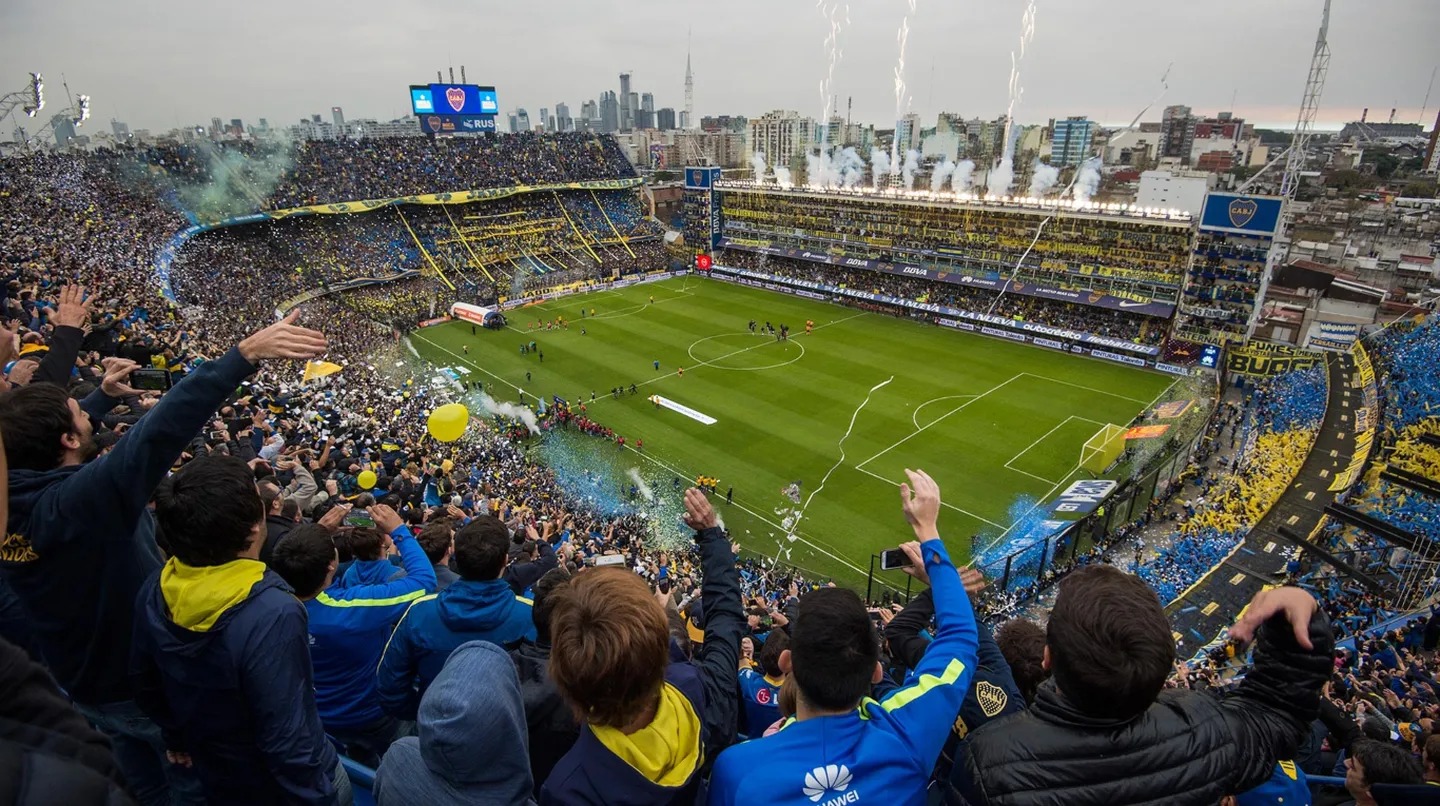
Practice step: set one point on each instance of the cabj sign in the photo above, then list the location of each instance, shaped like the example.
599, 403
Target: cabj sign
1244, 215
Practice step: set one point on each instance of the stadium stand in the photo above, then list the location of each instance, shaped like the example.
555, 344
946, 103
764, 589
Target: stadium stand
222, 706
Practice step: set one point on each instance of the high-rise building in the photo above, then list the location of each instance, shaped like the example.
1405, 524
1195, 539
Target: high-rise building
216, 128
779, 135
544, 120
609, 112
1177, 133
634, 108
522, 119
120, 130
562, 118
726, 123
907, 133
627, 121
236, 127
64, 127
339, 117
514, 123
589, 110
264, 125
665, 119
647, 102
1070, 140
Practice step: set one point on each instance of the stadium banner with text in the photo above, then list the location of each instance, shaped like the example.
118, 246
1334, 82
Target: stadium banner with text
1172, 409
1146, 431
1258, 216
1078, 339
1262, 360
1142, 305
1337, 336
453, 197
451, 124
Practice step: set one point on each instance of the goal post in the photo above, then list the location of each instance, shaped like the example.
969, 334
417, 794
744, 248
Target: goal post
1102, 450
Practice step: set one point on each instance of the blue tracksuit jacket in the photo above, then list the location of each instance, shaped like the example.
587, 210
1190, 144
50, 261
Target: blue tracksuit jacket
883, 751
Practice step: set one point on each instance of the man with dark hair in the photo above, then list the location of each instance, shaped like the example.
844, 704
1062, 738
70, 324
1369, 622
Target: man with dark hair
552, 725
221, 658
480, 606
841, 745
760, 691
1109, 648
536, 558
1022, 643
349, 626
649, 722
438, 541
1374, 763
80, 543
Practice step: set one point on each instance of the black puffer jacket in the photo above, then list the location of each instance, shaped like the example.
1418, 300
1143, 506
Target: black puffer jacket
552, 726
1188, 748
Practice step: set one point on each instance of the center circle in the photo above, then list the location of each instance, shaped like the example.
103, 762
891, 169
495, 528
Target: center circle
745, 352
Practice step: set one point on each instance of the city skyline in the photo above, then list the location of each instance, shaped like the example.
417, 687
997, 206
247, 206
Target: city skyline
957, 59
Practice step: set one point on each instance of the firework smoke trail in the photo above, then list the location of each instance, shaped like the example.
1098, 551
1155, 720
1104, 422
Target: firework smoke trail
757, 162
879, 166
1042, 178
902, 97
794, 525
941, 174
639, 481
964, 174
1005, 171
837, 16
911, 167
522, 413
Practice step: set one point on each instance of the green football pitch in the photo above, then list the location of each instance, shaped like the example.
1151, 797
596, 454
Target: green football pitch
999, 425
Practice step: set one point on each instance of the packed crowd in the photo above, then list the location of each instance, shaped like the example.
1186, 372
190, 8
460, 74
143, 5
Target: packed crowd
1284, 414
280, 174
1078, 318
1149, 254
237, 578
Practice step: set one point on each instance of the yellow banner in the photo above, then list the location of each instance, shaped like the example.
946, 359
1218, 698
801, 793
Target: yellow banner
1260, 359
454, 197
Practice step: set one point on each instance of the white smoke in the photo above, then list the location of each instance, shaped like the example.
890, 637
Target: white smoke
879, 166
963, 176
782, 176
1042, 178
998, 181
757, 161
1087, 181
511, 410
940, 174
833, 167
634, 474
851, 166
912, 167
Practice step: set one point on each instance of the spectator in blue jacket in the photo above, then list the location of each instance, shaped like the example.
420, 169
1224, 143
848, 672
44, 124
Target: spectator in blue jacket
760, 691
470, 750
650, 722
79, 542
350, 625
478, 607
221, 657
840, 744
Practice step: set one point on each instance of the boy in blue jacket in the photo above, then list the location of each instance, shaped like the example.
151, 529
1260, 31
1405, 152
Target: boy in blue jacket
478, 607
349, 626
221, 659
842, 747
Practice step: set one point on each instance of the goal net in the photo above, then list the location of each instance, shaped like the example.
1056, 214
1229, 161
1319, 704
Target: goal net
1102, 450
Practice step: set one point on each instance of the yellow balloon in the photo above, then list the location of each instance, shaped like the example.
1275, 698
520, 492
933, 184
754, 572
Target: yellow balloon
447, 423
366, 479
397, 412
369, 409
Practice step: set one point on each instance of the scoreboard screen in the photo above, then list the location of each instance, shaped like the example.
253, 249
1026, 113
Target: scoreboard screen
453, 99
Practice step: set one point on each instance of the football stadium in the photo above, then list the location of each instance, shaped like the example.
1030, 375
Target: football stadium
463, 467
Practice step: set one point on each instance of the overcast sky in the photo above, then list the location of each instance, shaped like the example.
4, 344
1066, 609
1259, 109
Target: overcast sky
161, 63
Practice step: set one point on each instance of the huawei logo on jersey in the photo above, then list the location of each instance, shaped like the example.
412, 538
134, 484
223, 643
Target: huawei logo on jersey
830, 778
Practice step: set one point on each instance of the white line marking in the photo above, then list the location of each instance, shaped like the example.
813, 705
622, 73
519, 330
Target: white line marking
762, 518
934, 422
1086, 388
914, 417
943, 503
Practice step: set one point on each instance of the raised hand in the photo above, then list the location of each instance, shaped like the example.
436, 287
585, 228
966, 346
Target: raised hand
1297, 605
74, 310
334, 516
920, 500
117, 373
385, 518
284, 339
699, 515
